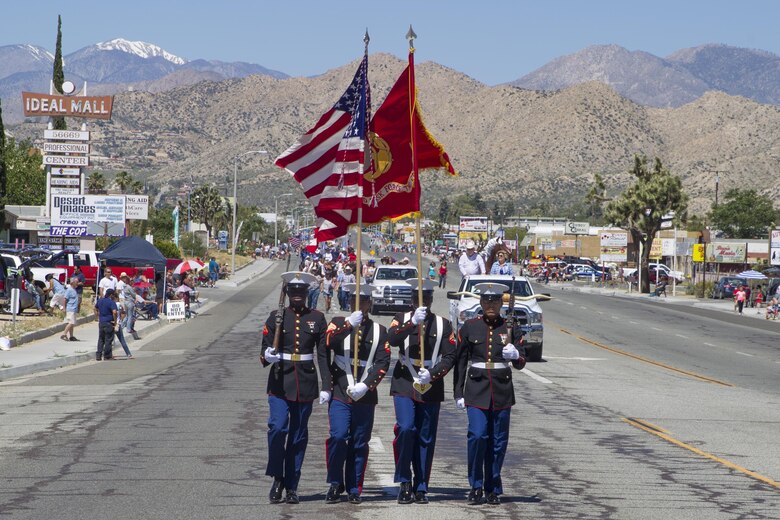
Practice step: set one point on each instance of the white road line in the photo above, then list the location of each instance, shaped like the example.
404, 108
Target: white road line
581, 307
744, 354
654, 328
615, 317
569, 303
681, 336
375, 444
709, 344
633, 323
576, 358
535, 376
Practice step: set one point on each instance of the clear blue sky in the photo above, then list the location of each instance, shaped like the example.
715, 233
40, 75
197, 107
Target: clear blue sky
491, 41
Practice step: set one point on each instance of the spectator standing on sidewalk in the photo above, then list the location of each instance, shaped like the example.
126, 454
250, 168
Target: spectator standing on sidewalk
72, 302
81, 279
107, 313
213, 272
128, 297
443, 274
57, 291
740, 296
121, 307
108, 281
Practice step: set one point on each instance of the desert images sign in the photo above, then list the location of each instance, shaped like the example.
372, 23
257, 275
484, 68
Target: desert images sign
92, 107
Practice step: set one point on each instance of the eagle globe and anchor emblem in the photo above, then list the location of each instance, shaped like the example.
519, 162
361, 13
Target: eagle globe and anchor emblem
381, 157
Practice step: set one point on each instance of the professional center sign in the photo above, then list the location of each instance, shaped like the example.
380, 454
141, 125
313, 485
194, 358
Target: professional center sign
86, 215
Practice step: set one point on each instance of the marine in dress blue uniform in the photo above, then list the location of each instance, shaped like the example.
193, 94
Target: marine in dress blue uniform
354, 399
483, 386
417, 414
292, 384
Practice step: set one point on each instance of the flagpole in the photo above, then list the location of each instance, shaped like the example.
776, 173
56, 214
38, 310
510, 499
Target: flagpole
417, 235
359, 266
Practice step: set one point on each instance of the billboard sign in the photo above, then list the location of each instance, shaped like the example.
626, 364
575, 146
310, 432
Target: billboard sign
53, 105
577, 228
83, 215
614, 254
473, 224
726, 253
610, 239
137, 207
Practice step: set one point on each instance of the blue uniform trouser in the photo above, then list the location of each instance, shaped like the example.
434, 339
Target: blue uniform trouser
488, 437
346, 450
288, 435
415, 440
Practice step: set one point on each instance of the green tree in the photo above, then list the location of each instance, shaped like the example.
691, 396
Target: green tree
25, 176
58, 74
206, 205
96, 182
641, 208
696, 223
744, 214
433, 232
445, 211
167, 248
123, 180
136, 187
191, 245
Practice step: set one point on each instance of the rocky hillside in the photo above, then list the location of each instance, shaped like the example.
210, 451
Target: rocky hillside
505, 141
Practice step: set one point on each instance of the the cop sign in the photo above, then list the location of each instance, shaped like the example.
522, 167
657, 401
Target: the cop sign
80, 215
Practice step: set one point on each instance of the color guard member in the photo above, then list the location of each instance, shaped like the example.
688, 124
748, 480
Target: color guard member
292, 384
417, 414
483, 386
351, 412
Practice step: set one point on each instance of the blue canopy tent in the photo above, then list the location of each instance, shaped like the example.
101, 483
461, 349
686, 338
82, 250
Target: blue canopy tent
134, 252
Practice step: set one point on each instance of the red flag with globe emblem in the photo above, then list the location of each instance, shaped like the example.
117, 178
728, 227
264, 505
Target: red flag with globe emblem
397, 134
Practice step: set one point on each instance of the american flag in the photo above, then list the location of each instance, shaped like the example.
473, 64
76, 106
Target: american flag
328, 160
294, 241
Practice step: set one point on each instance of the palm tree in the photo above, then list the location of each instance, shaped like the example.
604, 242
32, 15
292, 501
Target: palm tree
96, 182
136, 187
123, 180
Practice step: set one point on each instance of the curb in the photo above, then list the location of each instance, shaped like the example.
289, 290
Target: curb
47, 332
250, 277
48, 364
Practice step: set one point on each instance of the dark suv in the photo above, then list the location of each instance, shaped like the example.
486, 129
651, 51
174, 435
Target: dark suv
726, 286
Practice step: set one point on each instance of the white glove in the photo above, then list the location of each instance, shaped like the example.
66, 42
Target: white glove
424, 376
510, 352
419, 315
324, 397
272, 357
358, 391
460, 404
355, 318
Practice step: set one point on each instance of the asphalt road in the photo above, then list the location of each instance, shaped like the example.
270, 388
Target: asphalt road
620, 421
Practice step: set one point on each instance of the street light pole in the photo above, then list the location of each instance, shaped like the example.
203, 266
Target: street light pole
235, 200
276, 216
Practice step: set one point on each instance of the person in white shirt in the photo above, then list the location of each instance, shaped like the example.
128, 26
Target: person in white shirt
108, 281
470, 262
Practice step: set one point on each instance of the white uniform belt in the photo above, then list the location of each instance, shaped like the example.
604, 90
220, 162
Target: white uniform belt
491, 365
348, 361
416, 361
297, 357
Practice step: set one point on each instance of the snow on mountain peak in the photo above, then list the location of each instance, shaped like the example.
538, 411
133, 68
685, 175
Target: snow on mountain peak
39, 53
142, 49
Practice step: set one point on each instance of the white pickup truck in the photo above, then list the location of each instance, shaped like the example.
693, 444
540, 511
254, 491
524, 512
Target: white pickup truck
655, 266
391, 292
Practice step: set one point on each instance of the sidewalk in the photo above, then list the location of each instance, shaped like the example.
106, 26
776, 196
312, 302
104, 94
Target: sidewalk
681, 298
52, 352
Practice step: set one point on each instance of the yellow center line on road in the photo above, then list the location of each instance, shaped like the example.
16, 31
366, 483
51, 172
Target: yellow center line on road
646, 360
663, 434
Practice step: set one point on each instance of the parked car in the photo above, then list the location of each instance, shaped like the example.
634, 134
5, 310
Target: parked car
528, 312
726, 286
39, 272
391, 292
653, 268
589, 273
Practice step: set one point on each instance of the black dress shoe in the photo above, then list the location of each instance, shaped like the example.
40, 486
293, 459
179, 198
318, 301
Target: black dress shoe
333, 496
275, 496
405, 495
475, 497
421, 497
354, 498
292, 497
493, 499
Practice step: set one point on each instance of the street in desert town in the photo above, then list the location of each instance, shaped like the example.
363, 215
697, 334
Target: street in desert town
279, 261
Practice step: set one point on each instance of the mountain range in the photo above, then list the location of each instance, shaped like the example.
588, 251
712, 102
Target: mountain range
531, 146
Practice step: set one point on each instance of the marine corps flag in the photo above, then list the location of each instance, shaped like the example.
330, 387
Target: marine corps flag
400, 147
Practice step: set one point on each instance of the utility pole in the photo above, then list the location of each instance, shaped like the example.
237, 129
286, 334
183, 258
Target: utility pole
717, 181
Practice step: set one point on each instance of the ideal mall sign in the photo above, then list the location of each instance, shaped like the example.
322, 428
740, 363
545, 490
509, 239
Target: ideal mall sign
92, 107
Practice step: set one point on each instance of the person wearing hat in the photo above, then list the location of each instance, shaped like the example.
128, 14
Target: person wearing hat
292, 384
347, 280
417, 414
106, 311
351, 411
486, 357
470, 262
